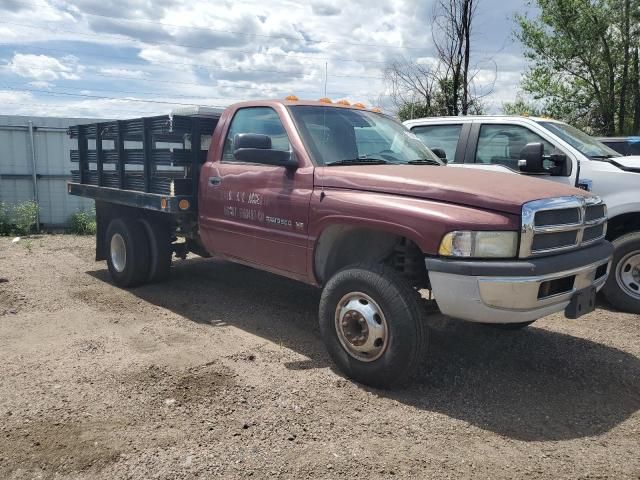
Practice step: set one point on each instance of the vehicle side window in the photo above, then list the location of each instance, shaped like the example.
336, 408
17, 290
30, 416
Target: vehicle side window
440, 136
502, 144
261, 120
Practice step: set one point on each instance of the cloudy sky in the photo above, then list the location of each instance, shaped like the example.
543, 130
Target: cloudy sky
127, 58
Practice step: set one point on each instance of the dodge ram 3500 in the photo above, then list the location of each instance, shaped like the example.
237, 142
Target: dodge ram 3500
346, 199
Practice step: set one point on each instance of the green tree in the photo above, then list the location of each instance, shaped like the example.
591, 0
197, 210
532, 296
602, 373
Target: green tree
523, 106
583, 66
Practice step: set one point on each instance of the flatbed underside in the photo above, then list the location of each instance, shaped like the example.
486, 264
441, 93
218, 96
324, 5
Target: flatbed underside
132, 198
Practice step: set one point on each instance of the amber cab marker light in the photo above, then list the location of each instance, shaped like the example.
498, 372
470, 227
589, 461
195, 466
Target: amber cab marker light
376, 110
343, 102
359, 105
325, 100
292, 98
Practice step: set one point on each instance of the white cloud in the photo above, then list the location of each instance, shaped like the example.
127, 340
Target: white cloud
41, 84
123, 72
44, 68
189, 52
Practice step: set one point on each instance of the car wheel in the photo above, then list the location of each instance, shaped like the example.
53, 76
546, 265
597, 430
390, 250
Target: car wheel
622, 289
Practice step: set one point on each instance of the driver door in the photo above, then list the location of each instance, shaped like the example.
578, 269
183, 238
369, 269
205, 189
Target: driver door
258, 213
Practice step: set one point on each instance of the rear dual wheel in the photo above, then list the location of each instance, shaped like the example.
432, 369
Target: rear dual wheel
139, 251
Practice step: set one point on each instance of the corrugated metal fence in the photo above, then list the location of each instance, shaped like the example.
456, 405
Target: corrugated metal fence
40, 142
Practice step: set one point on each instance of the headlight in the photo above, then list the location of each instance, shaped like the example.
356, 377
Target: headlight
479, 244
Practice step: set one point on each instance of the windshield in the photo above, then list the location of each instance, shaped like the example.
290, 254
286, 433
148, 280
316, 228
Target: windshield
337, 136
582, 142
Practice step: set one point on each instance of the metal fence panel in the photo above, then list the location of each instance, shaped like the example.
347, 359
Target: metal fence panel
53, 167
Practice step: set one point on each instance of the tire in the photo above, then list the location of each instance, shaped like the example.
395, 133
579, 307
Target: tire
622, 289
509, 326
159, 239
128, 252
402, 318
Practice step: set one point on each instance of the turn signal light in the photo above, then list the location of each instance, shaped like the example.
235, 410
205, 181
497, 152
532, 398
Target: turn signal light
183, 204
292, 98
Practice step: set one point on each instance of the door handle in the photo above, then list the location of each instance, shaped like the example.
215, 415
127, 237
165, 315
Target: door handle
215, 181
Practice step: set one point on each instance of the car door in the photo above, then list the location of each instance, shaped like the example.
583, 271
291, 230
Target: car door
497, 146
258, 213
450, 137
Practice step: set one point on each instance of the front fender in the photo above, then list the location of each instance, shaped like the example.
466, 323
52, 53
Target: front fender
424, 222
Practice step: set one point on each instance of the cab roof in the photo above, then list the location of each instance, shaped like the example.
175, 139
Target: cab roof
301, 102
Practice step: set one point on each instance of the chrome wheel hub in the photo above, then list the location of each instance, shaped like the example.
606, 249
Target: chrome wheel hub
361, 327
118, 253
628, 274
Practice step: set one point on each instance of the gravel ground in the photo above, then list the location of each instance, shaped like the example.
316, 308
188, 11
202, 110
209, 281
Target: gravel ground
220, 373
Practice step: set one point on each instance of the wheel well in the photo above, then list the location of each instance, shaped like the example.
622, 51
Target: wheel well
342, 245
622, 224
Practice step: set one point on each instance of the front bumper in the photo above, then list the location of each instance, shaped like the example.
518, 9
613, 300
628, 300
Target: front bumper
516, 291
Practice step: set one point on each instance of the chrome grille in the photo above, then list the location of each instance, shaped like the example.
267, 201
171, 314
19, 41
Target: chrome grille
564, 223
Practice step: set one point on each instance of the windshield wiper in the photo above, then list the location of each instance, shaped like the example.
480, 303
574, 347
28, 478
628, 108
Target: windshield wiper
423, 161
603, 157
358, 161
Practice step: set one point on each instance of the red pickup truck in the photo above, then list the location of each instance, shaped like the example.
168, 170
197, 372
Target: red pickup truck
348, 200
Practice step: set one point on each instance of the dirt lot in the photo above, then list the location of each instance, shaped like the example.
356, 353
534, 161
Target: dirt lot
221, 373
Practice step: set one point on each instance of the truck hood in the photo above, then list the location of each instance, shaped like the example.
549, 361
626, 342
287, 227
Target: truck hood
631, 164
502, 192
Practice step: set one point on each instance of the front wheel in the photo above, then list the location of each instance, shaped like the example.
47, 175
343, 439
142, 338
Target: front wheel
622, 289
373, 324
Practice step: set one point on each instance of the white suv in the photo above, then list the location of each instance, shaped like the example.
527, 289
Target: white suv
556, 151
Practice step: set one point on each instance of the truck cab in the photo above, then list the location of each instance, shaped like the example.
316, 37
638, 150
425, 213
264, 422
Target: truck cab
553, 150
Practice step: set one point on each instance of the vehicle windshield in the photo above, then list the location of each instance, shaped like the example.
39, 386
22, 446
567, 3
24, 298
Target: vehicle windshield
582, 142
341, 136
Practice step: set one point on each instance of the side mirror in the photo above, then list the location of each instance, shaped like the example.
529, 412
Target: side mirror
256, 148
532, 158
440, 153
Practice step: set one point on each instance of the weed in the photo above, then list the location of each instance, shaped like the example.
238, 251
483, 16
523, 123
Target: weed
5, 220
83, 222
19, 219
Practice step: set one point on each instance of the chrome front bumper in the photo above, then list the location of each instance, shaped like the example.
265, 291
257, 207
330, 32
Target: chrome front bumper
524, 296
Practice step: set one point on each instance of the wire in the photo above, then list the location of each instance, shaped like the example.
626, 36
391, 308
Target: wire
102, 107
102, 97
138, 92
233, 32
173, 82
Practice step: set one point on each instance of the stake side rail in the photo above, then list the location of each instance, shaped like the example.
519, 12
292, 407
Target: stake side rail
152, 163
